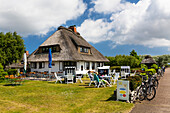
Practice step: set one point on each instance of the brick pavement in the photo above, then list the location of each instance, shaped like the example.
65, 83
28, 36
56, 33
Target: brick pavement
161, 103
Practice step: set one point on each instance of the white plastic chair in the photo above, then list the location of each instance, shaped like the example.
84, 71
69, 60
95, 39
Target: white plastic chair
133, 73
123, 75
58, 78
69, 79
115, 78
114, 71
78, 77
91, 80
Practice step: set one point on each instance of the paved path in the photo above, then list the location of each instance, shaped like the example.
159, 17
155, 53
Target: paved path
161, 103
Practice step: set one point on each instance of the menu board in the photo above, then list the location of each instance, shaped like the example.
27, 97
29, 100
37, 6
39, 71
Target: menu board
123, 90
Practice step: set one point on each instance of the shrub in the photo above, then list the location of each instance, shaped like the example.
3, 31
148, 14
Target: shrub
151, 71
2, 73
117, 68
135, 81
154, 66
12, 71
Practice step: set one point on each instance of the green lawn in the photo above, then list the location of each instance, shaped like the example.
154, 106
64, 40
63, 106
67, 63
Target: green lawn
45, 96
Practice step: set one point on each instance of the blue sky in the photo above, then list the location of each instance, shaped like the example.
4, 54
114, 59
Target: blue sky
111, 26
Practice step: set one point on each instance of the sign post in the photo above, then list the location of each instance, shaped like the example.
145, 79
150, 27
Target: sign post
123, 90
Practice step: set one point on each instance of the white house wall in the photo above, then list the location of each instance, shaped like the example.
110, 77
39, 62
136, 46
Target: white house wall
80, 63
59, 66
53, 69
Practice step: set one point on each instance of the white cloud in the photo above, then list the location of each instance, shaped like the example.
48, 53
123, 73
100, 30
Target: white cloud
145, 23
37, 16
94, 31
109, 6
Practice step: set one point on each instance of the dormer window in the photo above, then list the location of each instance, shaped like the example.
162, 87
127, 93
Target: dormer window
84, 49
54, 48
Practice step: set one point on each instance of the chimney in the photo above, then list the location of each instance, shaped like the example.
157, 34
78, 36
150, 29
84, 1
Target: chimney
27, 53
73, 28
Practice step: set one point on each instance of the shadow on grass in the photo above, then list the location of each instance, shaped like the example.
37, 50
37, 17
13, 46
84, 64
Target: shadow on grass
112, 98
86, 85
12, 84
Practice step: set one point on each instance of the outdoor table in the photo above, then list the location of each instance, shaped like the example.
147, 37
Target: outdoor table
65, 78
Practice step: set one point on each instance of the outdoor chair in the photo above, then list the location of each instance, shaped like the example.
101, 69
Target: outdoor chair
98, 81
58, 78
114, 71
78, 77
123, 75
92, 80
133, 73
115, 78
69, 79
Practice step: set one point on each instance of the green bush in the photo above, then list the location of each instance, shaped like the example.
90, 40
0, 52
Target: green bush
154, 66
117, 68
2, 73
12, 71
151, 71
135, 81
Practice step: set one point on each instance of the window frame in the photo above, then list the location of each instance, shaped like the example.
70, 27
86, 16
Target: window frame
93, 66
87, 64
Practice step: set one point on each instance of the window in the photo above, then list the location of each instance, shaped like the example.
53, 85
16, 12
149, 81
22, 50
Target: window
81, 49
69, 63
101, 64
93, 65
47, 49
57, 49
87, 64
84, 49
41, 65
98, 64
34, 65
43, 50
54, 48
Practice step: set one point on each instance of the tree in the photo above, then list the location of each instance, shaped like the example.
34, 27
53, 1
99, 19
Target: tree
134, 53
162, 60
112, 61
123, 60
11, 48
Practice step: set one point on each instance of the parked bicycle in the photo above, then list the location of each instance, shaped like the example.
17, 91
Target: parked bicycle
147, 89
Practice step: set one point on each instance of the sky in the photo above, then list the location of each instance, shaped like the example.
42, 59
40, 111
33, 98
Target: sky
112, 26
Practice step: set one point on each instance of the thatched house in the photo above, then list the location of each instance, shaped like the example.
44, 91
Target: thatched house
70, 53
148, 60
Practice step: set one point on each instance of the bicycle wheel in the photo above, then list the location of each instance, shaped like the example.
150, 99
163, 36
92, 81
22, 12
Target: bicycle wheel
156, 83
141, 93
151, 92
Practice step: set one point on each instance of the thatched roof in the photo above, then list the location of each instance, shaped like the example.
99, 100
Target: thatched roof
69, 42
16, 65
148, 60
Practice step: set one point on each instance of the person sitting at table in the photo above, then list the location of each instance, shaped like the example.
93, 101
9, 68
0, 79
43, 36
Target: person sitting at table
105, 81
105, 72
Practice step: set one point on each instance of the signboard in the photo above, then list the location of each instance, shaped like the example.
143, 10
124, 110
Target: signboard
123, 90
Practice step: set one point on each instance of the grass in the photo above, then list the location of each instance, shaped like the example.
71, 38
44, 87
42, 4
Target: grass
44, 96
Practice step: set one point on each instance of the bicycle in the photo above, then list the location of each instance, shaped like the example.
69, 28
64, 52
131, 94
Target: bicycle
147, 89
151, 90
